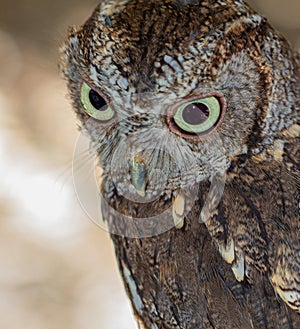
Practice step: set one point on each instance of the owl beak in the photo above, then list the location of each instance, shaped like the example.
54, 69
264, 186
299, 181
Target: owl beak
138, 175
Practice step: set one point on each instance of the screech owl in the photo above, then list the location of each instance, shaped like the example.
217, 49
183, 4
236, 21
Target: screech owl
192, 108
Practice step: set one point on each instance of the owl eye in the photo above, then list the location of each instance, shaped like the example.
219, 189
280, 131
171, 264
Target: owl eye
199, 115
94, 104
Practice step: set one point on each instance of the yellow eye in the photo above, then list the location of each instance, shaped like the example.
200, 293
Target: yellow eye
198, 116
94, 104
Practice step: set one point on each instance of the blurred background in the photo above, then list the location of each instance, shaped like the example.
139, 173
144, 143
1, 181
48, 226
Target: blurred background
57, 268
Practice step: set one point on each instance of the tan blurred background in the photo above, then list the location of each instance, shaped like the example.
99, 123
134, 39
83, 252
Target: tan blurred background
57, 269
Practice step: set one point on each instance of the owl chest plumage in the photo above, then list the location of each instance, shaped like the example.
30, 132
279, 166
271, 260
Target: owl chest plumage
179, 279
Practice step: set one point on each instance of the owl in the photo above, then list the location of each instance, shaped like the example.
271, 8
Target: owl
192, 110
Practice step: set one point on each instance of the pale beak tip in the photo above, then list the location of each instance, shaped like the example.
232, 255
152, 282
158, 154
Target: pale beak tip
141, 192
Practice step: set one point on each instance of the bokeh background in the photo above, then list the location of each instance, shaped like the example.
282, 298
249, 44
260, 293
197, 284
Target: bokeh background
57, 269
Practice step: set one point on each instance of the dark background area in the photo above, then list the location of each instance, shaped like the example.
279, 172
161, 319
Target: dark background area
57, 269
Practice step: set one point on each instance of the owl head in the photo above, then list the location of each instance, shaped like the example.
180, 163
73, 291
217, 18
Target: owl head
173, 93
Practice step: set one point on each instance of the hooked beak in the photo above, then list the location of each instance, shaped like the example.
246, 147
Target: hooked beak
138, 179
138, 175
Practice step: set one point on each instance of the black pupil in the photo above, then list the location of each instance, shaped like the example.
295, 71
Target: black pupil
195, 113
97, 101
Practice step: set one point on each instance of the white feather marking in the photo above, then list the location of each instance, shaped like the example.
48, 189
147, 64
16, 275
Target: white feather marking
178, 211
238, 269
133, 289
227, 252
